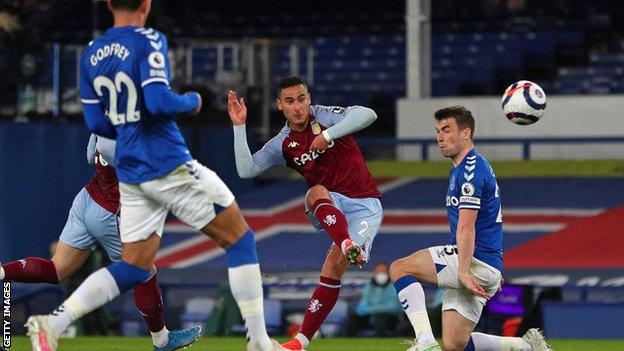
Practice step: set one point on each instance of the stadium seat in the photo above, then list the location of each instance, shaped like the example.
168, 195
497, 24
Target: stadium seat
272, 317
616, 59
336, 321
196, 312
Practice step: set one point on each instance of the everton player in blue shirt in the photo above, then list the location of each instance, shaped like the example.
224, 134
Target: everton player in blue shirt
124, 87
471, 266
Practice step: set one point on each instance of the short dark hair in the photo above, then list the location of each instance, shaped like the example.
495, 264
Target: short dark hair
288, 82
131, 5
462, 116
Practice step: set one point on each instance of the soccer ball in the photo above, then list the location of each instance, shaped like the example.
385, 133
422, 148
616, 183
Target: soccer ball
524, 102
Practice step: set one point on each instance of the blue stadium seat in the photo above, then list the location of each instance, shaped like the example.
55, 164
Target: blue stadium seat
570, 38
574, 72
606, 71
540, 43
336, 321
616, 59
507, 59
569, 86
273, 315
196, 312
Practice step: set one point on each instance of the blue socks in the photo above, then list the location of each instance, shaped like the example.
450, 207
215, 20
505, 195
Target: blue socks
243, 251
127, 276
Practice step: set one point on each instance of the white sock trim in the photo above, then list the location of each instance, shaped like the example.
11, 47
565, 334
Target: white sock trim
330, 286
161, 337
323, 204
303, 340
251, 307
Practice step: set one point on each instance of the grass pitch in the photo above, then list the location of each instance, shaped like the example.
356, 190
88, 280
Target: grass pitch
503, 169
238, 344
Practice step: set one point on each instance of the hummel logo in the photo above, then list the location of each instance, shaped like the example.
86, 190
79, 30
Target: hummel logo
315, 305
59, 310
293, 144
330, 220
404, 304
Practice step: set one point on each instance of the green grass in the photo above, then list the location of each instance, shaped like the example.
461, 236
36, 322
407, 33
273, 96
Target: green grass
503, 169
231, 344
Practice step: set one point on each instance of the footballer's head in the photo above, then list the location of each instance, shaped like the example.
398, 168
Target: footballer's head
454, 130
138, 8
293, 99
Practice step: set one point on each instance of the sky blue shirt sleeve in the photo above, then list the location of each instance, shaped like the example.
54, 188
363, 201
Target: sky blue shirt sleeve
106, 148
271, 153
91, 149
343, 121
248, 165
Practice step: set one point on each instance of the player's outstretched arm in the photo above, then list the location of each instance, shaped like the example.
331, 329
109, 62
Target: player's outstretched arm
237, 111
466, 233
341, 122
160, 100
355, 119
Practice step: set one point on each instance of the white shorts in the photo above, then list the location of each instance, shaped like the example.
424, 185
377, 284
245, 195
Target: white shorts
456, 296
190, 192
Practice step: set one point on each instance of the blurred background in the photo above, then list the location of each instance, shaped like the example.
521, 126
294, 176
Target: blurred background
562, 179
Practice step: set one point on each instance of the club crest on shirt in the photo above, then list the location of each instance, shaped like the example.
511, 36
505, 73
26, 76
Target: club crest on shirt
316, 128
452, 184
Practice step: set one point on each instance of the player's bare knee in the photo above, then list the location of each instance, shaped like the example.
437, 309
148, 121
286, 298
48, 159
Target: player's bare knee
397, 269
454, 344
62, 271
316, 193
227, 227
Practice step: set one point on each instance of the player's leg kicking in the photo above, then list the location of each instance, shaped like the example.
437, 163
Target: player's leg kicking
352, 244
334, 223
461, 309
199, 198
89, 224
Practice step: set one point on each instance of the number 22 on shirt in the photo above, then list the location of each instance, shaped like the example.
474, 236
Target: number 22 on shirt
115, 89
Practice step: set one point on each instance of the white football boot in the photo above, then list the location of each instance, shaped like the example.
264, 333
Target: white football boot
41, 336
536, 339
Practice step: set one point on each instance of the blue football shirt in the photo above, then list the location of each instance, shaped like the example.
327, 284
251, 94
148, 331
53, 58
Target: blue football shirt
114, 69
472, 185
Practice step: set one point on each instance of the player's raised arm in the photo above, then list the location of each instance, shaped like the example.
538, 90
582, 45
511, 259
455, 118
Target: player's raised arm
154, 69
236, 109
341, 121
249, 166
